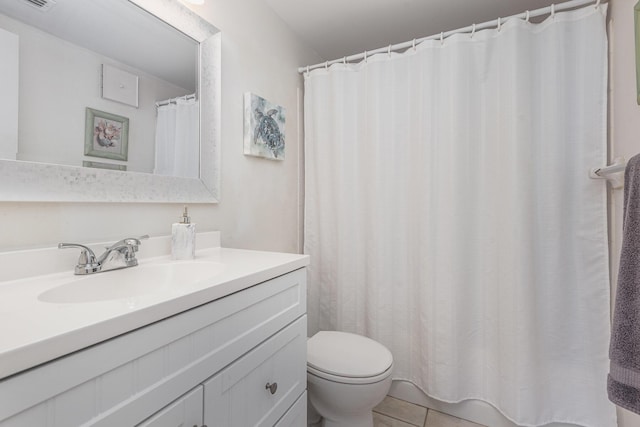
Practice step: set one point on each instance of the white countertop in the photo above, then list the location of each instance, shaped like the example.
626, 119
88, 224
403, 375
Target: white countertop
33, 332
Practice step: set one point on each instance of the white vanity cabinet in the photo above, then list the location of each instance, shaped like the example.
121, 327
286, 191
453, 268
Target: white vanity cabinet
214, 365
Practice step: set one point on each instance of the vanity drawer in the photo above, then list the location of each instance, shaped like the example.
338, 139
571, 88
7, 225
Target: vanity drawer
240, 396
184, 412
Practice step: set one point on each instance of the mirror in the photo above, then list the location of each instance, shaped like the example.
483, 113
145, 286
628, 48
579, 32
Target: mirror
105, 116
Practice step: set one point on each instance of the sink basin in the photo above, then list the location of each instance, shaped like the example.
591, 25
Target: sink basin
132, 282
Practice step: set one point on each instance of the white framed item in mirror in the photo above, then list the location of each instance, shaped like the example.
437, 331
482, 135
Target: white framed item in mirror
52, 177
119, 85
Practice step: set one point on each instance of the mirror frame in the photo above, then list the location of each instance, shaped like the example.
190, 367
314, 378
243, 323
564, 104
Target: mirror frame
42, 182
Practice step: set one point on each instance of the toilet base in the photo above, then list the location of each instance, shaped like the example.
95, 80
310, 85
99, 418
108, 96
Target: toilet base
345, 405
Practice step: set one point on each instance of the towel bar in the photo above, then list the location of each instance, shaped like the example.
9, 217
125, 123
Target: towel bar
611, 173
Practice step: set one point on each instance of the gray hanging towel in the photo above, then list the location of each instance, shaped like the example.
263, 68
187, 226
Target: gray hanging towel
623, 383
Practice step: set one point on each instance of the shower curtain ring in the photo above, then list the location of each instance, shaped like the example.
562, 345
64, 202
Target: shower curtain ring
344, 60
499, 23
553, 10
307, 70
414, 45
441, 37
365, 56
527, 17
326, 65
597, 4
473, 30
389, 51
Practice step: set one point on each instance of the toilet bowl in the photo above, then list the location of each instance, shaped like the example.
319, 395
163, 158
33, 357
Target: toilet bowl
347, 376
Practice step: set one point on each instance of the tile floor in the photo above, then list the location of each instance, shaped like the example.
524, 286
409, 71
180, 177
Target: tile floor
398, 413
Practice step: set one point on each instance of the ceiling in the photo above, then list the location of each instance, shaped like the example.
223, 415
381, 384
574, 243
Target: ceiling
338, 28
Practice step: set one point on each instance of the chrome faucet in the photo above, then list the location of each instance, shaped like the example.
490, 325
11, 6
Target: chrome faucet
121, 254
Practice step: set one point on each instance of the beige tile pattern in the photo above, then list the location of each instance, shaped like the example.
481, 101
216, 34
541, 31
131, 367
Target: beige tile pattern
438, 419
380, 420
402, 410
392, 412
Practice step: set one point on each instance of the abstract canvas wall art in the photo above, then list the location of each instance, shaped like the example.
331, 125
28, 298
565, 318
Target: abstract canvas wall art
264, 128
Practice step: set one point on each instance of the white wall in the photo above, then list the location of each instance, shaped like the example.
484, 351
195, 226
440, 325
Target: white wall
624, 134
260, 199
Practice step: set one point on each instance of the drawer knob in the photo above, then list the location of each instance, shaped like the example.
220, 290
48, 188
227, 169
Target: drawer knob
272, 387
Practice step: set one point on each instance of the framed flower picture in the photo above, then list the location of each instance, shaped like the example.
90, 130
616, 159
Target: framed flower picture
106, 135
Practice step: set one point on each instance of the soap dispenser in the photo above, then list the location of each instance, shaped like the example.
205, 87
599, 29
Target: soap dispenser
183, 238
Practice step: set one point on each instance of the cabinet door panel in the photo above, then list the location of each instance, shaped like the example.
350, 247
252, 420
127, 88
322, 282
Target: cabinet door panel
297, 415
239, 396
184, 412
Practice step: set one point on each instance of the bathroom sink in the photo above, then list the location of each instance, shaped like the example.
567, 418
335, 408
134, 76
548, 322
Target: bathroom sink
132, 282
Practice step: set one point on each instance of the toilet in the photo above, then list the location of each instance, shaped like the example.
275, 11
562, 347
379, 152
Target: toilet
347, 376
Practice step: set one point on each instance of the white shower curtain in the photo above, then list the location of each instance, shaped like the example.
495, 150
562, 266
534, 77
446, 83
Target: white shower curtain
449, 214
178, 139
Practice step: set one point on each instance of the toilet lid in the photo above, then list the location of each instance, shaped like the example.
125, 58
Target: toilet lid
347, 355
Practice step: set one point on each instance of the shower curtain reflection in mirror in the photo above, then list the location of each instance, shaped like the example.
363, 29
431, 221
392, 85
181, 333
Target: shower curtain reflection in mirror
177, 138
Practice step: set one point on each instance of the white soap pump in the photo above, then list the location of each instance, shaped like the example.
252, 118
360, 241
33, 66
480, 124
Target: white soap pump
183, 238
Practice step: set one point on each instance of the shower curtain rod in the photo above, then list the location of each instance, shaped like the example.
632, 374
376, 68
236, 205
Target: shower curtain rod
496, 23
173, 100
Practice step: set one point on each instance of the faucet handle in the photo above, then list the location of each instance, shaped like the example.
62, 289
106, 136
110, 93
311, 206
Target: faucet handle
129, 241
86, 254
87, 261
143, 237
137, 239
